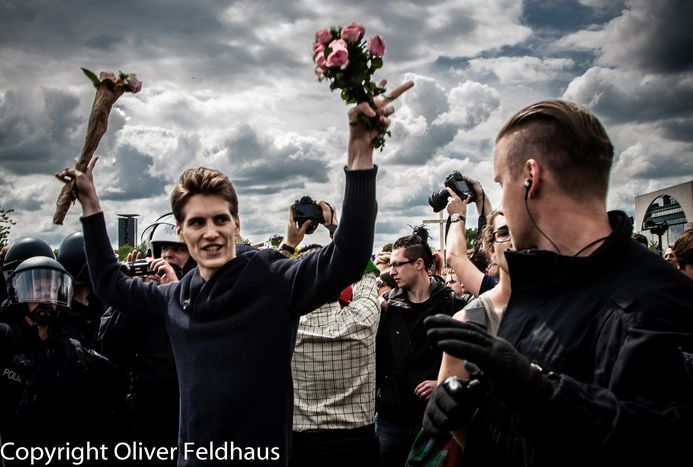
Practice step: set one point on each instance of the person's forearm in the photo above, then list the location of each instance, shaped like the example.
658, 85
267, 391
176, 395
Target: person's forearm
360, 155
90, 206
343, 261
467, 273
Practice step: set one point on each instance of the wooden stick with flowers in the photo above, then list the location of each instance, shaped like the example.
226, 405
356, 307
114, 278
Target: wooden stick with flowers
109, 87
348, 62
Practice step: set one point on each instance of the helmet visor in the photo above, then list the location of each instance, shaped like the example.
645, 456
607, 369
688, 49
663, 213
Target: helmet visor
42, 286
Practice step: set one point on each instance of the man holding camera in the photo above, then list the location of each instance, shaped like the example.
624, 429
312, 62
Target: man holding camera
594, 360
333, 365
232, 336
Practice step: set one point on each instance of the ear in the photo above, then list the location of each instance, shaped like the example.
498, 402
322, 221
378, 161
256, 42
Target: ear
179, 232
238, 226
532, 173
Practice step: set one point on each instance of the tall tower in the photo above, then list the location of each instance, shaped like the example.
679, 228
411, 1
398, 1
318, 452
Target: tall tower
127, 230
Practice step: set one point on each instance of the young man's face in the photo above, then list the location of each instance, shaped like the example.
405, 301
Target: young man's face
209, 230
405, 272
175, 254
513, 197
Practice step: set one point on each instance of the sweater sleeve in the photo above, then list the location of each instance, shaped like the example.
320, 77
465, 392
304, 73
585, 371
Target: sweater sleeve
315, 279
110, 284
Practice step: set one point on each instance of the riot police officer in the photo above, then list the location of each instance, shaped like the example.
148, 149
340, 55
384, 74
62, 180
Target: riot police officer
82, 321
54, 389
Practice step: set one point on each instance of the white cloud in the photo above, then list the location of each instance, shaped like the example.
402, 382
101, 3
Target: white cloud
525, 69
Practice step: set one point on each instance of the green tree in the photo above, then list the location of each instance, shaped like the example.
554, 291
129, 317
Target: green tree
470, 235
6, 223
387, 247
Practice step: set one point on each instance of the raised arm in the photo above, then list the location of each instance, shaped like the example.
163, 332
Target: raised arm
318, 277
110, 283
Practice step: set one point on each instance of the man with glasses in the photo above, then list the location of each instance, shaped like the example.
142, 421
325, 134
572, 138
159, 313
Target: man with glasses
407, 364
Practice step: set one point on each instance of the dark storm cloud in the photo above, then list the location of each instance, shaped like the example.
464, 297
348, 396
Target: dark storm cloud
653, 36
43, 131
38, 131
680, 129
558, 17
133, 180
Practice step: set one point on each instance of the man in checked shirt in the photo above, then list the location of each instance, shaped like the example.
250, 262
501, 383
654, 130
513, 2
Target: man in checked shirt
333, 369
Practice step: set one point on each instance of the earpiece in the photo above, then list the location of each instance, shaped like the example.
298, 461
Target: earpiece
528, 185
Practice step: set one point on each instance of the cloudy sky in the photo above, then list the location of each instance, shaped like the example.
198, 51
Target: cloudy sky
230, 85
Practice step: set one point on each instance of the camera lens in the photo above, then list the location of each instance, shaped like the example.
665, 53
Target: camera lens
438, 200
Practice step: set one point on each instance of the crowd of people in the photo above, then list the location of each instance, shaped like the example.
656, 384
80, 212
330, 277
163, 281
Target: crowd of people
558, 340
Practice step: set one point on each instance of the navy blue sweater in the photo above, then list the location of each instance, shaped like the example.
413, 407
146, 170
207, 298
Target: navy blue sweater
233, 336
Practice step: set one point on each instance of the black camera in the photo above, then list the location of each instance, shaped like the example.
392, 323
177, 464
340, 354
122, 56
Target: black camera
305, 209
139, 268
439, 199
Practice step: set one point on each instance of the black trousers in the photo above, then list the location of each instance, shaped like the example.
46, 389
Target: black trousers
335, 448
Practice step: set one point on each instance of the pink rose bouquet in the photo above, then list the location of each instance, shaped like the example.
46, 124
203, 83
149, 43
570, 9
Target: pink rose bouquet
342, 57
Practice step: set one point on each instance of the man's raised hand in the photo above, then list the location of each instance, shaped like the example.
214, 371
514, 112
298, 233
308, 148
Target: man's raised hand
360, 149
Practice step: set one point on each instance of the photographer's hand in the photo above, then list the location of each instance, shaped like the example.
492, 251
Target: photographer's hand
134, 255
329, 215
509, 375
456, 205
359, 148
294, 235
483, 204
165, 272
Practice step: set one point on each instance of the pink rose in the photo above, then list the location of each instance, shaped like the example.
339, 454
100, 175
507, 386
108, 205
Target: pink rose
320, 62
352, 32
338, 44
323, 36
318, 48
104, 75
133, 83
338, 57
376, 46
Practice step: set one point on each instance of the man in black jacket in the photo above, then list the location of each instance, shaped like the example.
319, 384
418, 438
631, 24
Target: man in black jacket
232, 336
407, 363
54, 390
594, 360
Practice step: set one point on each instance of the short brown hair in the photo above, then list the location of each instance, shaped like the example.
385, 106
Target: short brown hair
683, 248
569, 139
202, 181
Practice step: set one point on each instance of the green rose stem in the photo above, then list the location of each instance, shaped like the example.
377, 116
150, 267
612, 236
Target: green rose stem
106, 95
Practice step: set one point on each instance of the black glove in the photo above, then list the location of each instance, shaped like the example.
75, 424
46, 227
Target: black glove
451, 407
509, 375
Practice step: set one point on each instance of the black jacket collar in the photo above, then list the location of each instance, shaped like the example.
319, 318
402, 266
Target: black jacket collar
532, 270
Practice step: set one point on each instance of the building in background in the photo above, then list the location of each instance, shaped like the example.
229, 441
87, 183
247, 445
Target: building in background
665, 213
127, 230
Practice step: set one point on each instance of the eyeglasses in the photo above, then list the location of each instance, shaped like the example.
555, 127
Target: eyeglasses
397, 265
501, 235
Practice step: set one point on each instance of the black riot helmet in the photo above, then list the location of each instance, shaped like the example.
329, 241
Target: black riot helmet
72, 256
23, 249
44, 281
